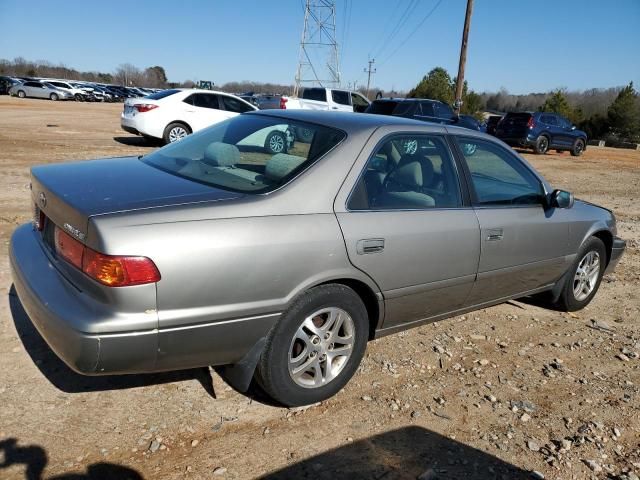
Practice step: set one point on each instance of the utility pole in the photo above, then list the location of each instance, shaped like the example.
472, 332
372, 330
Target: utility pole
463, 56
369, 71
318, 40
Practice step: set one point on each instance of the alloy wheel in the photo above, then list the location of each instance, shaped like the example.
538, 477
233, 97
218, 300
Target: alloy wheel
177, 133
586, 277
276, 143
321, 347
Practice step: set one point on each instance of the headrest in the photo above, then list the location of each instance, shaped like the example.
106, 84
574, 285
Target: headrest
280, 165
409, 175
425, 163
219, 154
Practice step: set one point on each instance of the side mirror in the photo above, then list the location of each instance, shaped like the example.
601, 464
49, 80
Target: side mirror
561, 199
573, 127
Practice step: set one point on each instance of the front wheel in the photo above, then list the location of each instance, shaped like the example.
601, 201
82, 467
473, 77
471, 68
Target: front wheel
21, 94
316, 346
542, 145
54, 97
577, 148
583, 279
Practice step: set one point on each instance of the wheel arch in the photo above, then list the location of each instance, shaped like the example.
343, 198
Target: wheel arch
186, 124
607, 238
375, 308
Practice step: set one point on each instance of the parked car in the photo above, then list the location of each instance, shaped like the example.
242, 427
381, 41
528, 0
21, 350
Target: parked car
78, 94
326, 99
422, 109
541, 131
173, 114
268, 101
207, 252
6, 83
39, 90
492, 123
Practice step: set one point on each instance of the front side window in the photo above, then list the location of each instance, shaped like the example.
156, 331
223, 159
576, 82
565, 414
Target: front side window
444, 111
319, 94
234, 105
498, 176
239, 154
359, 100
427, 109
341, 97
408, 172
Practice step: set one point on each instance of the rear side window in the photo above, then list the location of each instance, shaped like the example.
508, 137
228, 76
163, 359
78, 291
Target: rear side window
341, 97
403, 109
234, 105
205, 100
549, 119
162, 94
443, 110
408, 172
382, 107
319, 94
427, 109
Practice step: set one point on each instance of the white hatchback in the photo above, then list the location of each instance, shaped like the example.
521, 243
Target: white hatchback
175, 113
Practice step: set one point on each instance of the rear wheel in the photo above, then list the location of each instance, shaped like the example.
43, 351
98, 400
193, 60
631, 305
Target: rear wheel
583, 280
577, 148
316, 346
542, 145
54, 97
21, 94
175, 131
276, 142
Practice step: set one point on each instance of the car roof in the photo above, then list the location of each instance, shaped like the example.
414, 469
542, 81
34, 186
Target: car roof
407, 100
347, 121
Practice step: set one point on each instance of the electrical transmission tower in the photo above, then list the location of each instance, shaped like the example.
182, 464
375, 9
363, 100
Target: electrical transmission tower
318, 60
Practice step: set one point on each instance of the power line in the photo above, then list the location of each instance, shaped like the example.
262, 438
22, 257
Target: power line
390, 26
401, 21
412, 33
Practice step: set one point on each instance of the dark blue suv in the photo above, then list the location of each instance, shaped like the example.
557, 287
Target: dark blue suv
541, 131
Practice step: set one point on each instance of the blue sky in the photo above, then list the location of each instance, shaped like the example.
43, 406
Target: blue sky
522, 46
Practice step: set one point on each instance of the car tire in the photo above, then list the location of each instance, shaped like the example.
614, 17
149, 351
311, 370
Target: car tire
175, 131
584, 277
54, 97
78, 97
276, 142
577, 148
542, 145
21, 94
293, 366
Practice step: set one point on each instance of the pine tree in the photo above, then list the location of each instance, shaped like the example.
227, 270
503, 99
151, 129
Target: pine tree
624, 114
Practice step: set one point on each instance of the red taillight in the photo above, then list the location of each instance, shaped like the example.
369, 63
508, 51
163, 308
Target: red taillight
144, 107
283, 103
110, 270
531, 123
119, 271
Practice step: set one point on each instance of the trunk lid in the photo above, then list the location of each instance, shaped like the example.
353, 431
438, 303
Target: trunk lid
69, 194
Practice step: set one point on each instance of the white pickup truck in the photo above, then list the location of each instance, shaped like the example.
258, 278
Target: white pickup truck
326, 99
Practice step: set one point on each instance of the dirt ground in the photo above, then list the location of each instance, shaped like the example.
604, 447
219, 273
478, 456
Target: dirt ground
498, 393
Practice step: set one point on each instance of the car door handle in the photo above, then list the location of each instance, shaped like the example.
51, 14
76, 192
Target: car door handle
370, 245
495, 235
190, 111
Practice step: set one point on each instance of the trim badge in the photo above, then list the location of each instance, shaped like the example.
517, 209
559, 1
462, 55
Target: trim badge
74, 231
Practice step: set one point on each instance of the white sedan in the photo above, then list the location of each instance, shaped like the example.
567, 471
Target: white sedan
175, 113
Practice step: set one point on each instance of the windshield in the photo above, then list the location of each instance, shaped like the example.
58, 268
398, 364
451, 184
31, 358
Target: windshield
248, 153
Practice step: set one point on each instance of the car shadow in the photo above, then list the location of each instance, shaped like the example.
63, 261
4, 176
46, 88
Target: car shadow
403, 454
35, 459
65, 379
138, 142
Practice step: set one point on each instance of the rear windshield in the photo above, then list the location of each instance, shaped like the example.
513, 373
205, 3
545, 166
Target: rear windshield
162, 94
516, 119
382, 107
248, 153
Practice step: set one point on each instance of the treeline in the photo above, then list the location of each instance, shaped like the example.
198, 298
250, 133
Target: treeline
611, 114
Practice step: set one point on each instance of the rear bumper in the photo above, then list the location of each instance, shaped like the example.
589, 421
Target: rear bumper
618, 248
62, 315
129, 129
66, 318
517, 141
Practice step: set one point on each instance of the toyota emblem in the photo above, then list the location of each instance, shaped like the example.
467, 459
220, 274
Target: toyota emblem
43, 200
